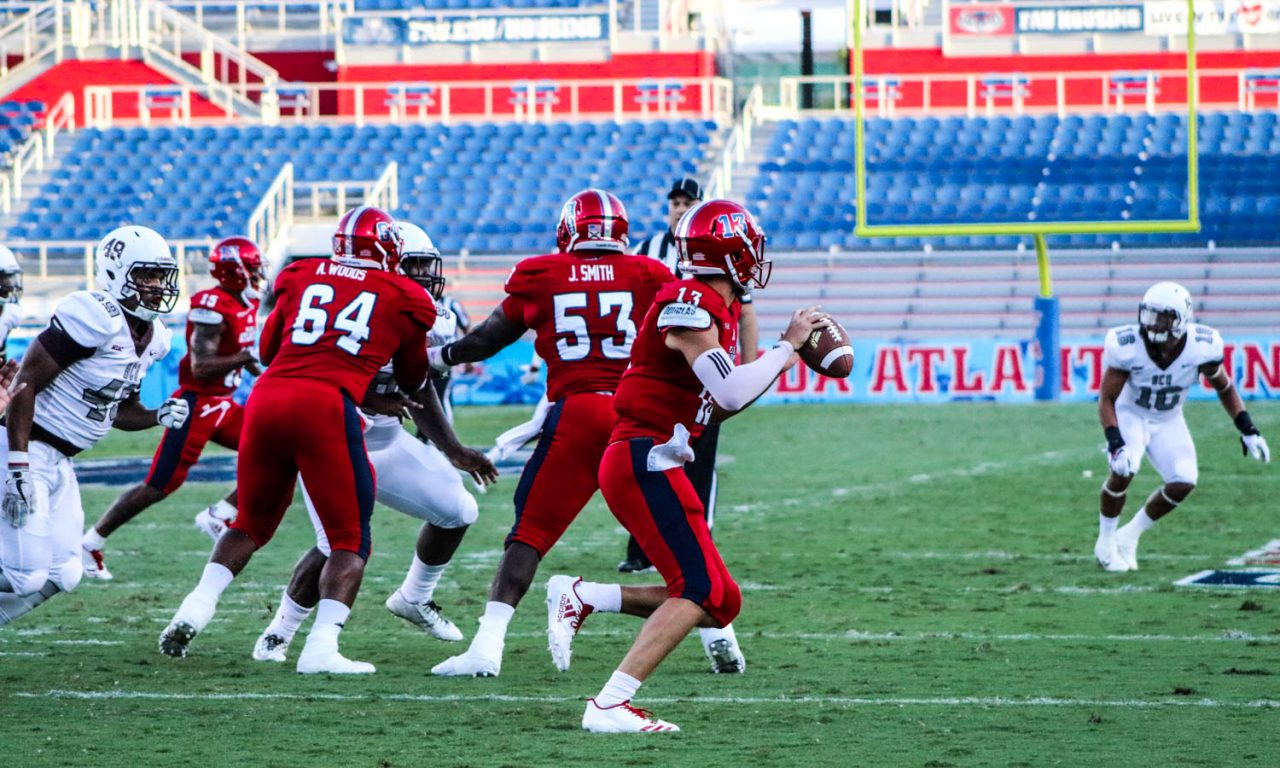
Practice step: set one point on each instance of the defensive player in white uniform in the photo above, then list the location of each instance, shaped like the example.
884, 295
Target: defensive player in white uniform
10, 295
80, 377
413, 478
1149, 368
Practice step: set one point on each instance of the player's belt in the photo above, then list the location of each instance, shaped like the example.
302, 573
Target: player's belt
53, 441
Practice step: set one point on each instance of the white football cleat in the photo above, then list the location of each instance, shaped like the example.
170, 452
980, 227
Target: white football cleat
271, 647
328, 661
1127, 549
725, 656
1105, 552
211, 526
469, 664
623, 718
565, 614
95, 566
427, 616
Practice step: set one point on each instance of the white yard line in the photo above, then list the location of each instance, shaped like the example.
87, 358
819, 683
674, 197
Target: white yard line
852, 635
846, 701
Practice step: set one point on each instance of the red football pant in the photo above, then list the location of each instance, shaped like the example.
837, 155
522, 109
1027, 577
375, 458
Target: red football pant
663, 512
294, 427
216, 419
561, 476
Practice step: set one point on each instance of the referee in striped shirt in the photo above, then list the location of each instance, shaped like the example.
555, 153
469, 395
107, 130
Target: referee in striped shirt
702, 470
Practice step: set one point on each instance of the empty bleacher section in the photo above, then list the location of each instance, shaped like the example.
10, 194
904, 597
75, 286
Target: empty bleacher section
1019, 169
484, 187
17, 121
900, 296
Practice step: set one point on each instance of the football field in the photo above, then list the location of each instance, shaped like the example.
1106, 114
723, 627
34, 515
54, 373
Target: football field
919, 590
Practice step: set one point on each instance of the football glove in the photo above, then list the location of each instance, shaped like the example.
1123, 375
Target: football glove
436, 360
173, 413
530, 374
18, 490
1122, 462
1256, 445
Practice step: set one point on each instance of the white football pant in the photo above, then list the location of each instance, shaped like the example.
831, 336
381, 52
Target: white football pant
47, 548
412, 478
1167, 443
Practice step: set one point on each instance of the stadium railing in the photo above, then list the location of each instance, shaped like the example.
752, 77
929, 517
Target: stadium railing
974, 94
241, 19
706, 97
737, 143
33, 153
30, 35
271, 219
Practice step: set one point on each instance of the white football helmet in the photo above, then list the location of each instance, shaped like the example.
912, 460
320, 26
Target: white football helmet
1165, 312
420, 259
10, 277
136, 263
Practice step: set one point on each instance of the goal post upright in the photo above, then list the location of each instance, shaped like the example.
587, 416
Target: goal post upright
1047, 333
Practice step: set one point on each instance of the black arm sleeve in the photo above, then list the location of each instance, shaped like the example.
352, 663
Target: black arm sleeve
61, 347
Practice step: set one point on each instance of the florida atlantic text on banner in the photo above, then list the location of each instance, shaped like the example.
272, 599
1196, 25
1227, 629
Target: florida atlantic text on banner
1003, 371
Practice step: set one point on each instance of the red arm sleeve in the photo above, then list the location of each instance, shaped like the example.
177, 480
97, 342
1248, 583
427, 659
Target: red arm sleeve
409, 363
272, 333
273, 328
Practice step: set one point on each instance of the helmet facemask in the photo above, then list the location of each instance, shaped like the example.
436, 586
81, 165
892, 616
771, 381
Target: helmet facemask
425, 268
10, 287
1161, 324
151, 288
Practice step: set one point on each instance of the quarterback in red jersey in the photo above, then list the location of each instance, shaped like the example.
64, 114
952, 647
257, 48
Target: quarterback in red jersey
583, 305
222, 329
682, 377
336, 323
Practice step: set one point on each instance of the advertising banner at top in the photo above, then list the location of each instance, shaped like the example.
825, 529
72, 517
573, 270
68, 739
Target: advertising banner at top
1078, 19
1213, 17
480, 28
981, 20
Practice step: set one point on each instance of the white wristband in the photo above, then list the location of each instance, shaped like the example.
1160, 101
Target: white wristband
18, 457
783, 342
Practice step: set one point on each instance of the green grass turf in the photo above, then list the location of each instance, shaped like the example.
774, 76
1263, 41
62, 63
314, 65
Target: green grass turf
919, 591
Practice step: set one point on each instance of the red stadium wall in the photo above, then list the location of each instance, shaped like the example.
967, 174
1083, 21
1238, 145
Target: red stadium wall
594, 99
1080, 88
75, 76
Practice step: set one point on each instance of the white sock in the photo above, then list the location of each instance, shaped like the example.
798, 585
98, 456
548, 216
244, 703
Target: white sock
93, 540
330, 616
223, 511
421, 580
621, 687
605, 598
711, 634
213, 582
1140, 522
492, 635
289, 616
1107, 525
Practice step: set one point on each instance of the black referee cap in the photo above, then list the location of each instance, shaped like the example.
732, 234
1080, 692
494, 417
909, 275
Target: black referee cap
686, 186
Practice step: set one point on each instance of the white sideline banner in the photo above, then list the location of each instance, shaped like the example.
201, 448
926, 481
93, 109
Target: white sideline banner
1213, 17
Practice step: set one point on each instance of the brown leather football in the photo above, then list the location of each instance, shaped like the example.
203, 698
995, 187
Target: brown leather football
829, 352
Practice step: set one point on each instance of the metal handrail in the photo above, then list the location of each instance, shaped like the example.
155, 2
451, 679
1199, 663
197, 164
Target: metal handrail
888, 89
438, 105
273, 215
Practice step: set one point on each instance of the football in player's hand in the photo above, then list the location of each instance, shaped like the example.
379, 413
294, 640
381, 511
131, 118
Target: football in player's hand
828, 352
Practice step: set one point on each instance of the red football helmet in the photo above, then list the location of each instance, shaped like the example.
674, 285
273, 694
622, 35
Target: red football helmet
594, 220
236, 263
369, 233
720, 237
